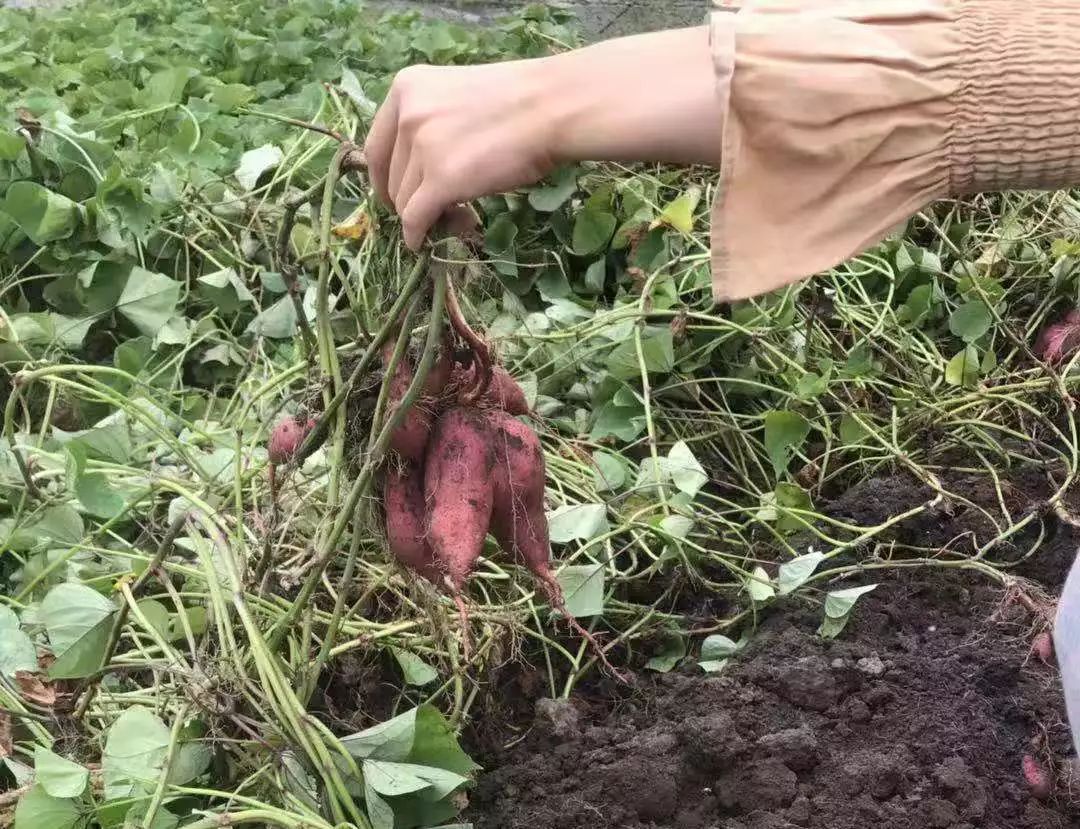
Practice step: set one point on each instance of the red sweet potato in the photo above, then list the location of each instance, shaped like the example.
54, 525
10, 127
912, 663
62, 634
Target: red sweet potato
286, 438
518, 520
458, 470
503, 392
1036, 777
410, 438
405, 510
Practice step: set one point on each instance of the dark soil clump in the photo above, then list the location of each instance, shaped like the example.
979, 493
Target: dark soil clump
918, 716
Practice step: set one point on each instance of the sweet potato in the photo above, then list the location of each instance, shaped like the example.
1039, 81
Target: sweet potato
410, 438
458, 470
405, 511
286, 438
518, 520
503, 392
1036, 777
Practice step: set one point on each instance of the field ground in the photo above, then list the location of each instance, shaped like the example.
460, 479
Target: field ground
821, 531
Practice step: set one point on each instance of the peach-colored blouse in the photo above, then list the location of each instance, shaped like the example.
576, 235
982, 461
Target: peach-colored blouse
846, 117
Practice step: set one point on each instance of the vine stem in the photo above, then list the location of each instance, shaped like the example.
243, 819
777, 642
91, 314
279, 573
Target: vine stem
363, 479
164, 548
318, 434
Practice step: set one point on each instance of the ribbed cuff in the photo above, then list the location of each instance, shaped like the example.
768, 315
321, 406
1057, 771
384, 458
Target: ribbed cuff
1017, 104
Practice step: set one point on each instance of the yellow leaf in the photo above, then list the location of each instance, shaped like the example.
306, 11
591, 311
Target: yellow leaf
679, 213
357, 226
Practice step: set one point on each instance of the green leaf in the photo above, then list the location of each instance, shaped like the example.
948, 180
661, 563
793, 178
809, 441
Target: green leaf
11, 146
609, 472
85, 656
500, 235
436, 745
191, 761
415, 670
123, 198
277, 322
785, 433
41, 214
577, 522
963, 368
17, 652
716, 650
38, 809
852, 431
550, 197
57, 775
255, 162
148, 300
668, 655
135, 749
760, 587
795, 573
390, 740
971, 320
679, 213
657, 354
685, 471
69, 611
592, 231
583, 589
232, 95
838, 606
97, 497
167, 86
156, 614
790, 497
392, 779
77, 620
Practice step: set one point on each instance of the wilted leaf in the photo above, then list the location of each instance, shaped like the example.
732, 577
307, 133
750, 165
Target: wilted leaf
679, 213
685, 470
38, 809
356, 226
135, 749
57, 775
795, 573
415, 670
33, 689
963, 368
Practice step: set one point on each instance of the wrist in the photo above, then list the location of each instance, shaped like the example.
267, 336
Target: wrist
643, 98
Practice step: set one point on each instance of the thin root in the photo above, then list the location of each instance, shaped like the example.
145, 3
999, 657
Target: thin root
554, 592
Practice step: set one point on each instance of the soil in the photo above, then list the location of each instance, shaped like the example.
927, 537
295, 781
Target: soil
917, 716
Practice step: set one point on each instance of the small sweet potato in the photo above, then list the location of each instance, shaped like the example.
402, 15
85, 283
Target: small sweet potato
505, 392
519, 520
458, 470
286, 438
410, 438
1036, 777
405, 511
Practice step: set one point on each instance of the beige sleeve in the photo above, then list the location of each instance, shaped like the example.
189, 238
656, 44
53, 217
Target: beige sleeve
846, 117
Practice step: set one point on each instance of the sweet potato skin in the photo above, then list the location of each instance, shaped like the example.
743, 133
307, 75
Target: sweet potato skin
286, 438
503, 392
458, 489
405, 513
518, 520
410, 438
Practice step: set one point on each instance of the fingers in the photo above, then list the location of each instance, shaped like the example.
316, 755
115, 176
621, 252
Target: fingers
423, 210
379, 146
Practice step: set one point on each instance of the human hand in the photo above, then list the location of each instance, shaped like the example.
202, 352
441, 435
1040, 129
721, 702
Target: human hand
447, 135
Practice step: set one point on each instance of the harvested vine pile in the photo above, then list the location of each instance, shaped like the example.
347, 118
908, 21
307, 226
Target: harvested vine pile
292, 515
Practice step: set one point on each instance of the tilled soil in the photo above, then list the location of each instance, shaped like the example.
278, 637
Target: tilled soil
918, 716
